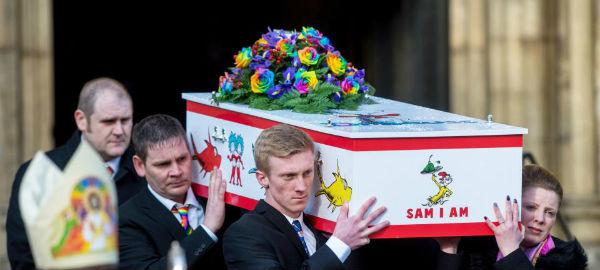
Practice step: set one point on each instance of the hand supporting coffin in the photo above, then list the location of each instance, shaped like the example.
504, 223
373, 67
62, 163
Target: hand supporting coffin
215, 205
355, 230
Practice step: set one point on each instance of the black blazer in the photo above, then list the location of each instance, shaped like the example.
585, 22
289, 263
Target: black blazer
17, 244
147, 228
264, 239
412, 253
479, 253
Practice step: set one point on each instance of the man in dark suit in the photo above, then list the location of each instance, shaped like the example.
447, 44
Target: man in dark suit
167, 210
275, 235
104, 119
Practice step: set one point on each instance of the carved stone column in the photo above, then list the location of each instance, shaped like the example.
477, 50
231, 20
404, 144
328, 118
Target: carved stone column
469, 82
580, 145
26, 91
536, 64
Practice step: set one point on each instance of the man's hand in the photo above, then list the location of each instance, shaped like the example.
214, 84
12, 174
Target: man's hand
355, 230
215, 205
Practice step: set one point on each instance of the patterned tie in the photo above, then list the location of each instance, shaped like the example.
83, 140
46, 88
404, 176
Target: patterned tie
298, 229
109, 169
183, 213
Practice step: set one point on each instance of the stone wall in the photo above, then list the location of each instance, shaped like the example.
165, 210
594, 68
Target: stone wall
535, 63
26, 91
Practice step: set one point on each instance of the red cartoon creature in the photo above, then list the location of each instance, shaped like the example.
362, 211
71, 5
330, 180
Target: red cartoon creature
208, 158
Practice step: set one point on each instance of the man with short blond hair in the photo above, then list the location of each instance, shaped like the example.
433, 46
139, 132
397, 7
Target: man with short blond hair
280, 141
275, 235
104, 118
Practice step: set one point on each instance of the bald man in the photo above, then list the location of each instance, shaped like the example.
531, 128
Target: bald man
104, 119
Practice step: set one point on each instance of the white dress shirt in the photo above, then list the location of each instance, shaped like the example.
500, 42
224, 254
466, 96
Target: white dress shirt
195, 210
114, 165
339, 248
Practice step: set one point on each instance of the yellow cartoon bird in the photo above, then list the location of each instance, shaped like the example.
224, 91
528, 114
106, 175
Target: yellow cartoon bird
338, 192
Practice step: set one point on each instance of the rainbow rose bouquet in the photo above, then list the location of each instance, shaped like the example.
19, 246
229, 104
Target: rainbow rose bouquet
300, 71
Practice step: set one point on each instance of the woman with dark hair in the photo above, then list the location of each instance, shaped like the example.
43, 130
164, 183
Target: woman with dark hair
532, 246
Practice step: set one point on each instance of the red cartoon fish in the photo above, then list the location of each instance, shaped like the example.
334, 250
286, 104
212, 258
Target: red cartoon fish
208, 158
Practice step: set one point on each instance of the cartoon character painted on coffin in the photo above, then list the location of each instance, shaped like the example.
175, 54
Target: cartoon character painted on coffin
208, 158
338, 192
441, 179
236, 150
219, 136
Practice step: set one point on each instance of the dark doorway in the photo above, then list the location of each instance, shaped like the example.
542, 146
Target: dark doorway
160, 49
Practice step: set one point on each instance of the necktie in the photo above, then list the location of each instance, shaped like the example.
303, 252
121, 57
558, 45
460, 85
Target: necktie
298, 229
183, 213
109, 169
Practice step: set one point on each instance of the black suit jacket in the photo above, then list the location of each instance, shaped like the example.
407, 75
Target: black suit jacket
17, 244
264, 239
480, 253
147, 228
407, 253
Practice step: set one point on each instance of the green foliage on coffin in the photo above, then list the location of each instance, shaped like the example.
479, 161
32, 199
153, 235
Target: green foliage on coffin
318, 101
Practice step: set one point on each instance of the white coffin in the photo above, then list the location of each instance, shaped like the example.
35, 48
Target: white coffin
437, 173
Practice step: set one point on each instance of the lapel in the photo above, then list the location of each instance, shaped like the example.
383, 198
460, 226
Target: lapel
282, 224
125, 165
154, 210
61, 158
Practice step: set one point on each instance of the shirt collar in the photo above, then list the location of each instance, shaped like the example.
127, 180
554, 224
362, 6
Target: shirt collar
190, 199
300, 218
114, 163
